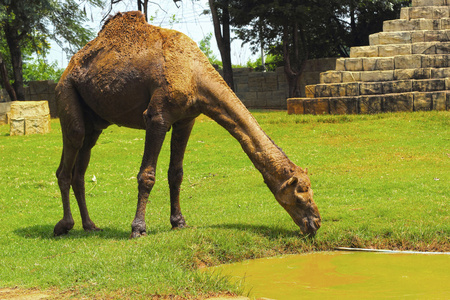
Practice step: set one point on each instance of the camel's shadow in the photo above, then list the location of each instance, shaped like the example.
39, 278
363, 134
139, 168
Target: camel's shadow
46, 232
110, 233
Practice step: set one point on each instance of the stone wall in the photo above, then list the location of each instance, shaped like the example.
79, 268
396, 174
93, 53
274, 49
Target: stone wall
37, 91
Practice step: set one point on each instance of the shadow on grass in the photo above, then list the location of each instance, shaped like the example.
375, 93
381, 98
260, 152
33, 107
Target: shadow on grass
46, 232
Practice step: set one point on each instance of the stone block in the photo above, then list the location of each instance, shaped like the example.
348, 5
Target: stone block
398, 102
5, 108
352, 89
439, 72
436, 35
364, 51
295, 106
370, 104
351, 76
397, 86
424, 48
29, 117
429, 2
343, 105
428, 85
371, 88
310, 91
444, 24
331, 77
393, 50
404, 74
417, 36
318, 106
439, 101
440, 12
378, 63
370, 76
340, 64
322, 90
404, 13
435, 61
353, 64
396, 37
422, 101
408, 61
443, 48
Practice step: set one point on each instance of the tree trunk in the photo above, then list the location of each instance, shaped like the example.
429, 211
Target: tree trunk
13, 40
5, 79
223, 40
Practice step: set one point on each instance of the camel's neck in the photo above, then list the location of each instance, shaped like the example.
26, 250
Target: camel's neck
222, 105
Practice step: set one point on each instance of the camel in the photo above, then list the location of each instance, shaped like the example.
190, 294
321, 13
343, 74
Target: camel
141, 76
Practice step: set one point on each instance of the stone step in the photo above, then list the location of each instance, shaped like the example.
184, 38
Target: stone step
376, 88
416, 24
425, 12
408, 37
393, 63
389, 75
369, 104
430, 3
400, 49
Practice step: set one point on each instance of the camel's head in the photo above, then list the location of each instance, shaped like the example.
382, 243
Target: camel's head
296, 196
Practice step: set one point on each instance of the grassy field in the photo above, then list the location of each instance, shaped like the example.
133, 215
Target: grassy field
379, 181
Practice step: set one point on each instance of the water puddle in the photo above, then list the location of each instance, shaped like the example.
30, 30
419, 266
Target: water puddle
349, 275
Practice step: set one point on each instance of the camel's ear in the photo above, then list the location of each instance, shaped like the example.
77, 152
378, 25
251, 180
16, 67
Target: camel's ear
293, 180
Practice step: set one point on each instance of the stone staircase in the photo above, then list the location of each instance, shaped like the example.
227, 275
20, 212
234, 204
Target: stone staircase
405, 68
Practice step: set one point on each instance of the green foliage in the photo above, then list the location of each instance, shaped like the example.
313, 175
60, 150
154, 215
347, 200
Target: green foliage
205, 46
41, 70
379, 181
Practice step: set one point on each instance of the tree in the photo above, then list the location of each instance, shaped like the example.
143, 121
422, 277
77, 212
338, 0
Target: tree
205, 46
221, 20
298, 30
30, 23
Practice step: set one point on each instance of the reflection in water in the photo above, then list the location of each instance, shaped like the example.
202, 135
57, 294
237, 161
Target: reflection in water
348, 275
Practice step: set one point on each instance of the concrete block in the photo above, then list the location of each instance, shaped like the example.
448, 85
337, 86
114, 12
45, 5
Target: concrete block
440, 12
370, 76
398, 102
435, 61
436, 35
322, 90
428, 2
370, 104
408, 61
439, 72
29, 117
364, 51
343, 105
370, 88
5, 108
404, 13
444, 24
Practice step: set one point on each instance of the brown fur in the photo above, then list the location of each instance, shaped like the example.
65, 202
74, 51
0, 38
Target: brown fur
141, 76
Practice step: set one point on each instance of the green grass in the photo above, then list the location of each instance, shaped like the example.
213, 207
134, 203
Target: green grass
379, 181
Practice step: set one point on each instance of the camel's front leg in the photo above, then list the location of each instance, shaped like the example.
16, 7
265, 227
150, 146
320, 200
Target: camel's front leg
154, 138
180, 136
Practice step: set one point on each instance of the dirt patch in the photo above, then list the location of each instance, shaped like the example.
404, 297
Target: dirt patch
21, 294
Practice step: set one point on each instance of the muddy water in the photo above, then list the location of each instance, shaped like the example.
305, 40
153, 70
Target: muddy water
344, 275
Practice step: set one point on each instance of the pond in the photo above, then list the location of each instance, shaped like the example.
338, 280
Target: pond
349, 275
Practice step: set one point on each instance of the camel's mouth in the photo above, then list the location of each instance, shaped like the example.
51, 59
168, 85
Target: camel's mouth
309, 225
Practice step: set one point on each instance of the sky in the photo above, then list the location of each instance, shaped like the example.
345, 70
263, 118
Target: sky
188, 19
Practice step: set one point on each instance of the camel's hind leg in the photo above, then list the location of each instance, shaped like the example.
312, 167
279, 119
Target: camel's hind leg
77, 143
180, 136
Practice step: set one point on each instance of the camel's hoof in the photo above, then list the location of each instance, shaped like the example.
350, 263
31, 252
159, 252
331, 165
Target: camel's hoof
177, 222
62, 227
135, 235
